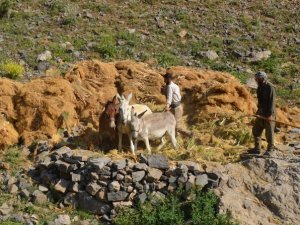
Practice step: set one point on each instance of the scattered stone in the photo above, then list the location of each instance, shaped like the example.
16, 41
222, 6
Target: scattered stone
210, 54
128, 179
201, 180
43, 66
117, 196
42, 188
257, 56
154, 174
158, 161
284, 148
182, 33
114, 186
62, 185
25, 193
45, 56
93, 188
138, 176
190, 183
120, 177
4, 166
62, 220
13, 189
5, 209
39, 197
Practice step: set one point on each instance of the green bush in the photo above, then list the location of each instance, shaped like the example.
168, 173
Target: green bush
11, 70
202, 210
107, 46
166, 59
5, 5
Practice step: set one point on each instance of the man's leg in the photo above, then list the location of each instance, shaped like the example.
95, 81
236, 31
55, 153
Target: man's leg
257, 132
270, 127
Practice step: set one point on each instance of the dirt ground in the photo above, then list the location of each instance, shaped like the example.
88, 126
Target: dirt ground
40, 108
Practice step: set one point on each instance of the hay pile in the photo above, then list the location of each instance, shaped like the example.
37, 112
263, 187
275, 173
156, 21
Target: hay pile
39, 108
208, 93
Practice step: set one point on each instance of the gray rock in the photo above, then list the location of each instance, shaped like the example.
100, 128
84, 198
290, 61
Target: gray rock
120, 205
39, 197
161, 185
257, 56
76, 177
62, 220
62, 166
172, 179
23, 183
13, 189
120, 177
285, 148
190, 183
117, 196
138, 176
114, 186
120, 164
43, 66
128, 179
71, 200
25, 193
11, 181
93, 188
45, 56
99, 163
42, 188
182, 169
192, 166
129, 189
172, 187
158, 161
75, 187
5, 209
182, 179
201, 180
88, 203
140, 166
62, 185
210, 54
82, 158
153, 174
94, 176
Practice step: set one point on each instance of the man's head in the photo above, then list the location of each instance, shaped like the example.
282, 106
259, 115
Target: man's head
261, 77
168, 78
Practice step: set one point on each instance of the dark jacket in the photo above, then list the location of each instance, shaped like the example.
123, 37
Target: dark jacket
266, 99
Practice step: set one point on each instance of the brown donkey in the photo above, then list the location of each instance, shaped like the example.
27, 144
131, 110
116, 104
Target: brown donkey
107, 125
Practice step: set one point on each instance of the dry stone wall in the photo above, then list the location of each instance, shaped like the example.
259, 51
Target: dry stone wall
101, 185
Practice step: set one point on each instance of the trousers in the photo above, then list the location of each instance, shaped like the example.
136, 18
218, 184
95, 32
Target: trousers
259, 126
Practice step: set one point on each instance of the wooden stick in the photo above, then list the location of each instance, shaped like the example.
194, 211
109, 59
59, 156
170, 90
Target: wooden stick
287, 124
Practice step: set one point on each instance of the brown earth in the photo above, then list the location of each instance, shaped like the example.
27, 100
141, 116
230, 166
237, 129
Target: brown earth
39, 108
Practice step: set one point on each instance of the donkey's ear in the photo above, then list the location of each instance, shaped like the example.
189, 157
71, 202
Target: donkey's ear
118, 97
141, 114
132, 111
115, 99
129, 97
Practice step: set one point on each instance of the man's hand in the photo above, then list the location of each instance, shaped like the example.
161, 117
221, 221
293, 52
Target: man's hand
166, 109
269, 118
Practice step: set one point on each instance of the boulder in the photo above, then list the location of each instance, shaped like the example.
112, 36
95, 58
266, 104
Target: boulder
93, 188
138, 176
153, 174
99, 163
201, 180
120, 164
62, 220
114, 186
117, 196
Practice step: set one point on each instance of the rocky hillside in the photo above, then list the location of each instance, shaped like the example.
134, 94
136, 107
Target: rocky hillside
240, 37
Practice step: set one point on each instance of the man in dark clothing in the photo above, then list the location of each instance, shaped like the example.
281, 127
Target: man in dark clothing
266, 108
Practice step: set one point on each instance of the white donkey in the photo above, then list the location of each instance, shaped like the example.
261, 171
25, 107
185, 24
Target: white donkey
124, 118
153, 126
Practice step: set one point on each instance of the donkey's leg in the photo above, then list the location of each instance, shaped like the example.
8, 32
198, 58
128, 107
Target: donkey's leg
163, 142
131, 143
136, 141
172, 134
120, 141
146, 140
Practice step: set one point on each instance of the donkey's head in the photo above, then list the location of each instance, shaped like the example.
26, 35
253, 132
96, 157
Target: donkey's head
135, 123
111, 111
125, 108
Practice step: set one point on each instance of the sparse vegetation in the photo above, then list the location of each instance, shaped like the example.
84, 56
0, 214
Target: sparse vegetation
201, 210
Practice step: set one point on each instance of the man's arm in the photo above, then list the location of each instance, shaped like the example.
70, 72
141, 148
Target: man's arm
169, 98
270, 103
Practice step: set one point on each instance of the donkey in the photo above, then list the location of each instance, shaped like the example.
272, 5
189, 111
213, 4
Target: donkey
107, 124
124, 118
153, 126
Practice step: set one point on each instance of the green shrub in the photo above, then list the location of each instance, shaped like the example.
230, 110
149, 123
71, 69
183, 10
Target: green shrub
11, 70
202, 210
166, 59
107, 46
5, 6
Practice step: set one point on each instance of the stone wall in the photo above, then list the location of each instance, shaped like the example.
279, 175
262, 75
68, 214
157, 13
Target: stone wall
101, 185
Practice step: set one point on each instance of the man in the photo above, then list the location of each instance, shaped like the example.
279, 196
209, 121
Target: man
173, 99
266, 108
